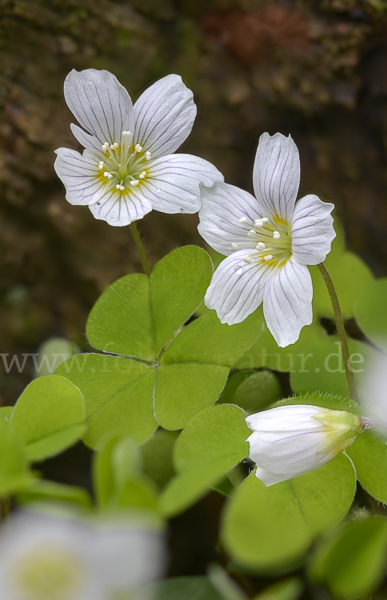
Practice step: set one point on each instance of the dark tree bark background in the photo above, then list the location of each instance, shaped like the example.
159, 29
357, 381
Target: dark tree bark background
314, 69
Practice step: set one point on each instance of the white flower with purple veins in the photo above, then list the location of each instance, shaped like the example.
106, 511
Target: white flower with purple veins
128, 167
289, 441
268, 241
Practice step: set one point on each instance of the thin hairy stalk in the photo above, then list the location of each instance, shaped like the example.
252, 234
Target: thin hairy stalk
140, 248
341, 331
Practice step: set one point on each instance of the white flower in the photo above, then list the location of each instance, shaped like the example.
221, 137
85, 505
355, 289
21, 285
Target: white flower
128, 167
44, 557
268, 241
288, 441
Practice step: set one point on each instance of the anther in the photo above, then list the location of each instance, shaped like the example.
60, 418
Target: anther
243, 220
265, 220
101, 165
105, 146
134, 182
248, 260
261, 246
126, 133
276, 235
108, 175
267, 257
234, 245
142, 175
113, 146
251, 232
148, 155
258, 223
138, 148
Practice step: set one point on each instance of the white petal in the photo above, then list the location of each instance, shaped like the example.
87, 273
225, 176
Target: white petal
287, 304
121, 209
173, 182
100, 103
165, 113
312, 230
88, 141
222, 207
292, 417
235, 296
80, 175
276, 175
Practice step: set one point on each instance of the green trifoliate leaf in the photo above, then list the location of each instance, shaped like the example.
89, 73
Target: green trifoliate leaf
6, 413
169, 372
268, 527
258, 391
351, 561
157, 456
49, 416
369, 455
55, 492
370, 311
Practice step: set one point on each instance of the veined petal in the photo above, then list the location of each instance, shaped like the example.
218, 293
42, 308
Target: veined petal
164, 114
287, 304
88, 141
235, 294
100, 103
173, 182
292, 417
121, 209
79, 173
312, 230
223, 205
276, 175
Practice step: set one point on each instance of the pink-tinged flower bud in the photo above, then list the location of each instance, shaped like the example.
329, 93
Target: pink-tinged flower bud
291, 440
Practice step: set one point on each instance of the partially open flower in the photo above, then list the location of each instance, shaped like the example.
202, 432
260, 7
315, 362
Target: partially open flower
288, 441
128, 167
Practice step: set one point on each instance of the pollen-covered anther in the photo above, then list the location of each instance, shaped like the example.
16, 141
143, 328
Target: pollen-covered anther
120, 187
252, 232
105, 146
260, 246
267, 257
142, 175
243, 220
108, 175
276, 235
248, 260
114, 146
134, 182
138, 148
258, 223
265, 220
148, 155
126, 133
101, 165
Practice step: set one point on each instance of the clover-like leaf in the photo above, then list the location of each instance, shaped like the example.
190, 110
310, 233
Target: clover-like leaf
167, 371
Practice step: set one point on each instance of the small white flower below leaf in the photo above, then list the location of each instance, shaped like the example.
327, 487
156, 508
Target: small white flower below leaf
45, 557
291, 440
128, 167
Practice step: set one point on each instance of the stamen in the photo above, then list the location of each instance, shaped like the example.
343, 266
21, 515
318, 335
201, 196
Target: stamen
248, 260
243, 220
267, 257
261, 246
101, 165
113, 146
108, 175
258, 223
138, 148
105, 146
276, 235
134, 182
252, 232
142, 175
234, 245
148, 155
126, 133
265, 220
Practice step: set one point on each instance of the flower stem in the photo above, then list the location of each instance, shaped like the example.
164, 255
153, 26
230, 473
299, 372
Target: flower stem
341, 331
140, 248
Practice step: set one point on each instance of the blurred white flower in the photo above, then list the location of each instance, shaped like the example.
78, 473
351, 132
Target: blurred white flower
128, 167
373, 391
288, 441
268, 241
43, 557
